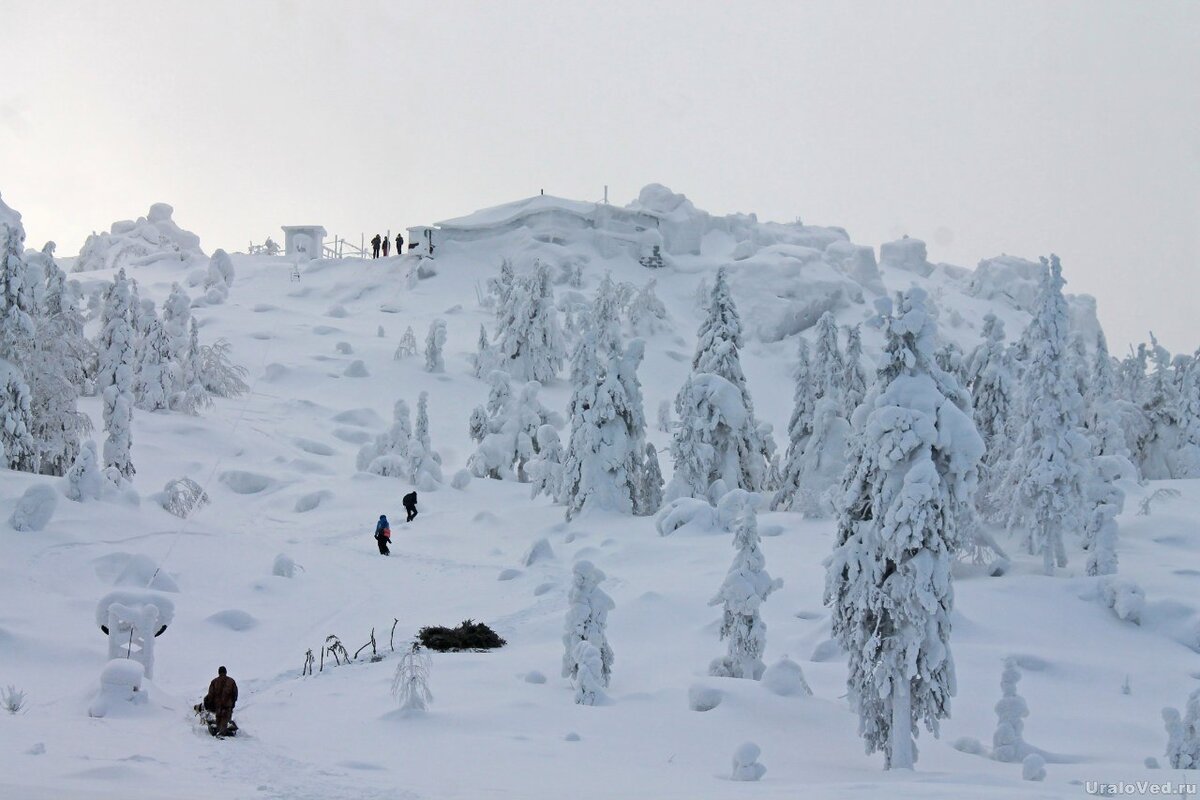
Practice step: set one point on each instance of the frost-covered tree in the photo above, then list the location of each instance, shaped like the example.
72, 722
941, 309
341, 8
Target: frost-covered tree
854, 379
84, 480
424, 463
546, 468
115, 377
652, 482
828, 367
192, 395
602, 467
718, 341
992, 383
434, 342
219, 278
1183, 735
156, 378
1191, 418
823, 460
1105, 501
477, 426
1162, 407
905, 500
1007, 742
388, 455
176, 320
587, 617
218, 374
410, 682
530, 342
710, 415
800, 428
1045, 482
485, 356
407, 346
590, 677
645, 313
509, 435
502, 287
16, 341
664, 416
747, 585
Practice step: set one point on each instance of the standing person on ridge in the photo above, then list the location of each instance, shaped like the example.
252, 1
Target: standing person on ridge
399, 245
386, 243
383, 535
410, 505
375, 246
222, 697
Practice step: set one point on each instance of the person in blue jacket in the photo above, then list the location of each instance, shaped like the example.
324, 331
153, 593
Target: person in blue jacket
383, 534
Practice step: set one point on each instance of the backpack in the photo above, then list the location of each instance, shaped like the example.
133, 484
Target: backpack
386, 533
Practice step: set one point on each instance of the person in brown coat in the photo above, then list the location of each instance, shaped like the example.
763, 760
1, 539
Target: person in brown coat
222, 693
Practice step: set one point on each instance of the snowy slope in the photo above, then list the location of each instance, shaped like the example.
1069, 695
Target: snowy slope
279, 467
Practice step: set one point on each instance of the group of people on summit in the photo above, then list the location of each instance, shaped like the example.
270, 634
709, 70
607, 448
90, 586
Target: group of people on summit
383, 241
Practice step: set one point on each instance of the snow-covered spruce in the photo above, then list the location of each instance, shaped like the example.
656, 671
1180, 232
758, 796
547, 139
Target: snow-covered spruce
1183, 735
992, 382
434, 342
530, 342
854, 379
1106, 501
545, 469
587, 616
219, 278
156, 378
904, 501
507, 431
800, 428
16, 340
718, 341
485, 354
747, 585
192, 394
590, 678
407, 346
84, 480
1007, 742
602, 467
651, 492
410, 682
388, 455
644, 312
1046, 478
114, 380
424, 463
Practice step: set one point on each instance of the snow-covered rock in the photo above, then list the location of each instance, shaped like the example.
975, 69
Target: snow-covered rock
150, 239
34, 509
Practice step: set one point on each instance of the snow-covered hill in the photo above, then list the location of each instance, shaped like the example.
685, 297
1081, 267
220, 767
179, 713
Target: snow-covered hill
279, 465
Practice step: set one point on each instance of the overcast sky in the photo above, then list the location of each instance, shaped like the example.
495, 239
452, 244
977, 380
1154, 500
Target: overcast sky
982, 128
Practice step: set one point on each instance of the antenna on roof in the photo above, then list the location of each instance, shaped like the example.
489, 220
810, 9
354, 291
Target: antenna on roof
606, 194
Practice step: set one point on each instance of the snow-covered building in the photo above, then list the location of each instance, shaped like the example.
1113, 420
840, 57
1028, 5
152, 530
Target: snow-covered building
305, 241
554, 220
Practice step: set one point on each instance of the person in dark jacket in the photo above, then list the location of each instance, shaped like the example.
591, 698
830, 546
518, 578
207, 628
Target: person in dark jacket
386, 244
399, 245
383, 535
410, 505
222, 697
375, 246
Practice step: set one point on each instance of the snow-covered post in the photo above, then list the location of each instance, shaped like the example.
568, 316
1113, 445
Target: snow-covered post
434, 343
904, 502
587, 615
746, 587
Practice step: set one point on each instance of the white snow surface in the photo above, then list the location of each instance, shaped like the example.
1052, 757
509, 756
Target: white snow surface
334, 734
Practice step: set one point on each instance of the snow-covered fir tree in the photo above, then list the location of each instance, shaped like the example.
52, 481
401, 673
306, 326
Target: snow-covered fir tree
424, 463
904, 502
546, 468
509, 433
1183, 735
1162, 406
192, 394
407, 346
652, 482
114, 380
388, 454
732, 448
434, 342
828, 366
84, 480
589, 678
854, 379
156, 376
485, 355
664, 416
502, 287
800, 428
644, 312
587, 618
992, 383
747, 585
602, 467
1046, 477
16, 341
219, 278
530, 342
176, 321
1105, 501
1191, 418
822, 462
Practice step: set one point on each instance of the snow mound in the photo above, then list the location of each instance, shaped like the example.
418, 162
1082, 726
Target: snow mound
284, 566
786, 679
308, 502
234, 619
687, 514
182, 496
704, 698
745, 763
242, 482
275, 372
152, 238
134, 569
315, 448
34, 509
508, 574
357, 369
362, 417
120, 683
538, 551
533, 676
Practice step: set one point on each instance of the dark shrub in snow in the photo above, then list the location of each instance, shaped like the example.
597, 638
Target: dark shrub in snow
469, 635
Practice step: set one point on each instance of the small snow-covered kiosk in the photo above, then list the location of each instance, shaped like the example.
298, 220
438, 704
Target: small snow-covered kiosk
303, 241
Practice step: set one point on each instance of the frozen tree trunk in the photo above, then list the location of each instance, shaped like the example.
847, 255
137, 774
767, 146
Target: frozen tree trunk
903, 747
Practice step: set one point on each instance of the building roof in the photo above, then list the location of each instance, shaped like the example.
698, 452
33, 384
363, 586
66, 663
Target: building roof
503, 214
302, 228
